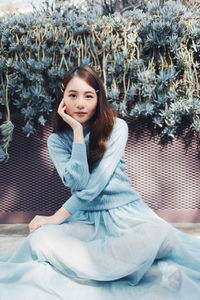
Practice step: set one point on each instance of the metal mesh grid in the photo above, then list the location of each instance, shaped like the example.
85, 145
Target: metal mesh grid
166, 178
29, 181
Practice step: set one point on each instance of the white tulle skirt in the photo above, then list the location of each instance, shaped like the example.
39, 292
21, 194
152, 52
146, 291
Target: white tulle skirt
124, 253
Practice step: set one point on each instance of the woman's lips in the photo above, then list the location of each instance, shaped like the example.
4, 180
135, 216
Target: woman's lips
80, 113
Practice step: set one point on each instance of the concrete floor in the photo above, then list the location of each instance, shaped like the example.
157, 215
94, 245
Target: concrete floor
12, 235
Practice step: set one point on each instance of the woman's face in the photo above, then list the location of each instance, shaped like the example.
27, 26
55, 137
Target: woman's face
80, 97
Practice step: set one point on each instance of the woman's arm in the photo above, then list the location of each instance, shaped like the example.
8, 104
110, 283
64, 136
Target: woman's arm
71, 164
60, 216
60, 155
78, 135
101, 174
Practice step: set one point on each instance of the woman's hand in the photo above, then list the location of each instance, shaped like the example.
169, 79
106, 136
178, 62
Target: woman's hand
38, 221
67, 118
57, 218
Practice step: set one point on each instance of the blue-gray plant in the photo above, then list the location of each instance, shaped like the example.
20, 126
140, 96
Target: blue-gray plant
148, 60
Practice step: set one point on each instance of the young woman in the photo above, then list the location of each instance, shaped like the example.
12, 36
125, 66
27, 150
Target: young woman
104, 243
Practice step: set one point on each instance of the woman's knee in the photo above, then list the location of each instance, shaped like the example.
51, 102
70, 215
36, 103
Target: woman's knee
40, 241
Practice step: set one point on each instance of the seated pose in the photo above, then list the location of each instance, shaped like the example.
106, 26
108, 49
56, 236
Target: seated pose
104, 243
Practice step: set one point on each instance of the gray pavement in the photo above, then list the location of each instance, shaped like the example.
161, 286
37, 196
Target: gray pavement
12, 235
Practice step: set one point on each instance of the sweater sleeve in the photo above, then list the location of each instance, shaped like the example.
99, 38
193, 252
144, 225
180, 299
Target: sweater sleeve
72, 166
103, 170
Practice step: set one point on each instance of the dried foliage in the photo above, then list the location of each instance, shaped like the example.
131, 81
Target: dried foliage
148, 59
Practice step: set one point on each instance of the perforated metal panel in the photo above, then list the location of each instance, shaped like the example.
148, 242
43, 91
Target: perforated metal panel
29, 182
167, 178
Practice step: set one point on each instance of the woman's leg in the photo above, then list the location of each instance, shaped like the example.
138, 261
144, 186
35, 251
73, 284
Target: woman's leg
106, 258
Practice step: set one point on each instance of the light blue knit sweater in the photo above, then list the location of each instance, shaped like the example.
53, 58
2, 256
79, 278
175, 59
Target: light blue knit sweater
107, 186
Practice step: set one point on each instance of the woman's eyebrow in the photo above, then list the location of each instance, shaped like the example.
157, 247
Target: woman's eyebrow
84, 92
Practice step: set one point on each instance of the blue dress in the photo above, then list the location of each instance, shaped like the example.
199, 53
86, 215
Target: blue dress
111, 248
126, 252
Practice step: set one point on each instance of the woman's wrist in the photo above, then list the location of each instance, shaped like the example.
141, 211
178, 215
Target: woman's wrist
78, 135
61, 215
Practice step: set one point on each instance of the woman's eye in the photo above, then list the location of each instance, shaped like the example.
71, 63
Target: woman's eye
72, 95
87, 96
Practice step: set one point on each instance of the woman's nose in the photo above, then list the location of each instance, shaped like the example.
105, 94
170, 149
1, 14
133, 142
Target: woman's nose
80, 102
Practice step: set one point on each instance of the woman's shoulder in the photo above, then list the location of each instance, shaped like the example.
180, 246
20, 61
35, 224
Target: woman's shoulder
120, 128
119, 123
120, 120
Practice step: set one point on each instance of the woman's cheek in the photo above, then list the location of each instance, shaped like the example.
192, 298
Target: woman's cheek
67, 109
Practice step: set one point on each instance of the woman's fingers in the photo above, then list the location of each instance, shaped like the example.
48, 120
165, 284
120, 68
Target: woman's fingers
36, 222
61, 107
66, 117
33, 228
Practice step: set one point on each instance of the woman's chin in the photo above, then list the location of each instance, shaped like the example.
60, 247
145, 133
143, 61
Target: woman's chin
81, 122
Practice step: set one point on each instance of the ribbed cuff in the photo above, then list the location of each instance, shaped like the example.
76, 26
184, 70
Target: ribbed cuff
73, 204
79, 151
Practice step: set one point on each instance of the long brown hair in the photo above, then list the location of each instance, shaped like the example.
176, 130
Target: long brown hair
102, 122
